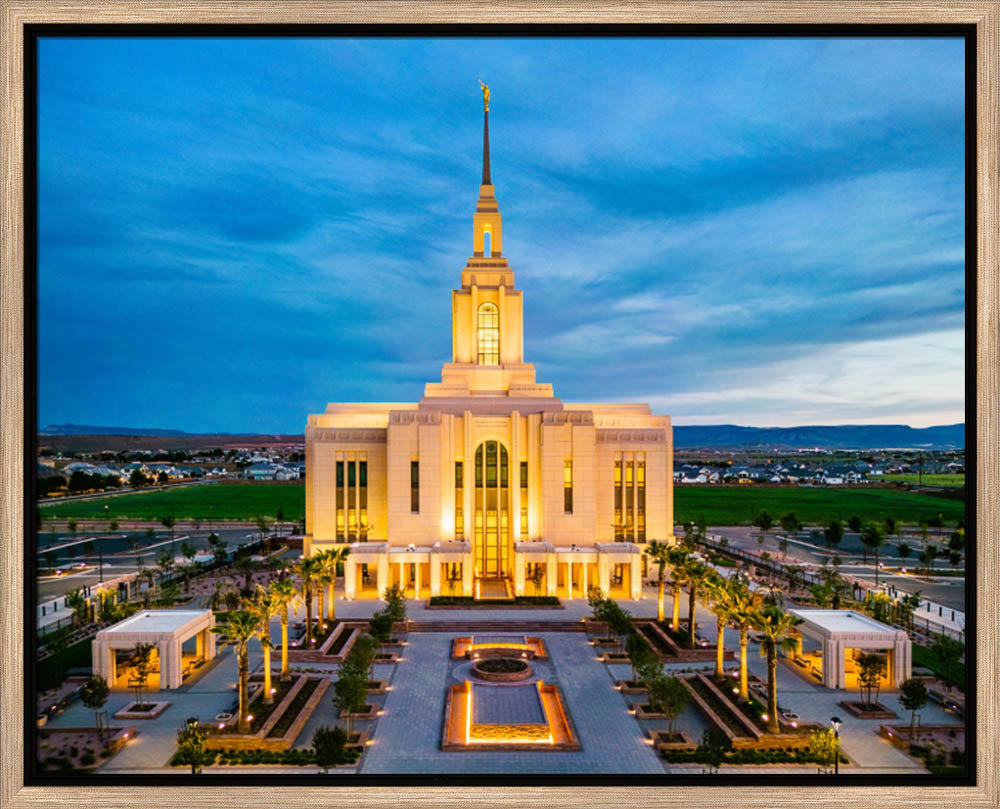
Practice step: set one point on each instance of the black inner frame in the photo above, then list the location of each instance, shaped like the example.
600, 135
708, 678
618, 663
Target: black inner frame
31, 35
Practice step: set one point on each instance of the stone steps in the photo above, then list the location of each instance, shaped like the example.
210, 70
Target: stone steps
494, 626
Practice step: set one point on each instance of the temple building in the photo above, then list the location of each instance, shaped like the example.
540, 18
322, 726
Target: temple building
489, 486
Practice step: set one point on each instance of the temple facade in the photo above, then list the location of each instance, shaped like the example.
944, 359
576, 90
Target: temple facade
489, 486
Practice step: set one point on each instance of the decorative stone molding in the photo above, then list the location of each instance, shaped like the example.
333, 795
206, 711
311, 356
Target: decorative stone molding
632, 435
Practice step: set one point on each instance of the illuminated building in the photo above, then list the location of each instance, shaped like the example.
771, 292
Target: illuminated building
490, 485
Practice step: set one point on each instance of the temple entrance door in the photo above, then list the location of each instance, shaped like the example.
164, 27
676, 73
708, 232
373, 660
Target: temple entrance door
492, 525
492, 568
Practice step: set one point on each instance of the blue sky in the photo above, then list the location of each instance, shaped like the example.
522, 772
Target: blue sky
764, 232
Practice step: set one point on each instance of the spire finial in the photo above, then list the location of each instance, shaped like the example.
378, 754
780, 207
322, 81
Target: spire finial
486, 95
486, 133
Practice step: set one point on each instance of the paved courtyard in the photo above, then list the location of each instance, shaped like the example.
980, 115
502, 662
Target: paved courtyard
406, 738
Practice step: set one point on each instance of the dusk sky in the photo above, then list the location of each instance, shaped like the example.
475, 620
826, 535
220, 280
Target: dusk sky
747, 231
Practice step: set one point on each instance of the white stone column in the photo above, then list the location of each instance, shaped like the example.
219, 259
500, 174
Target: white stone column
583, 579
435, 575
551, 574
170, 665
467, 575
199, 643
604, 573
209, 645
515, 479
635, 576
402, 578
519, 564
381, 574
416, 580
569, 578
350, 578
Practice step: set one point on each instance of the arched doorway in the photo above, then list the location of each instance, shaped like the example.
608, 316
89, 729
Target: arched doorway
491, 537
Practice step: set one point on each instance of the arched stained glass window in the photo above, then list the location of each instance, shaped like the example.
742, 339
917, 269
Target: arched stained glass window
489, 334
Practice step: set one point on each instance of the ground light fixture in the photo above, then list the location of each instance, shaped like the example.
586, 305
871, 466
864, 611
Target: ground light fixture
836, 721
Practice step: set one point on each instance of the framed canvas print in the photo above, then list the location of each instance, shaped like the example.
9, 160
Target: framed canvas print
426, 403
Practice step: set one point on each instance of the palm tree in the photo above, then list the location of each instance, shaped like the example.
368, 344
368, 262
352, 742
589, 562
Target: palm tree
334, 557
697, 573
264, 607
76, 602
165, 562
659, 554
724, 597
282, 594
239, 629
747, 603
678, 579
307, 569
776, 626
324, 581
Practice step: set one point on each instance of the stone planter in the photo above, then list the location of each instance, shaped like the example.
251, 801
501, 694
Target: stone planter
625, 688
371, 713
856, 709
679, 740
128, 713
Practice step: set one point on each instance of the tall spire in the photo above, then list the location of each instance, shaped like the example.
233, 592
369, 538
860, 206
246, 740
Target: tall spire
486, 133
486, 148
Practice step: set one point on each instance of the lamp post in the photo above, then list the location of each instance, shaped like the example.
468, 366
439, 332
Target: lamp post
836, 721
100, 550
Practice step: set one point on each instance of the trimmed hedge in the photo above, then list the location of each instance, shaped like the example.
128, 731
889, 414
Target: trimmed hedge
748, 756
301, 758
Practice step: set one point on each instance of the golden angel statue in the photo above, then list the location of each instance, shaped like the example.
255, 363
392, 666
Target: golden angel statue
486, 95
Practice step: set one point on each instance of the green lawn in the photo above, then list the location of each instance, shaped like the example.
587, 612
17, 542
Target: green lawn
212, 501
736, 506
949, 481
721, 505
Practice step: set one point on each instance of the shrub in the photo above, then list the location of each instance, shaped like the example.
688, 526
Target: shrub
88, 759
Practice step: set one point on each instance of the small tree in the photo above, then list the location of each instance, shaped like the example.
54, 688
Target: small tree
350, 692
790, 523
619, 622
76, 602
328, 745
380, 626
763, 520
596, 600
914, 696
870, 668
639, 652
454, 576
94, 694
833, 533
395, 603
191, 746
169, 522
668, 696
537, 575
823, 744
713, 747
143, 661
362, 654
904, 550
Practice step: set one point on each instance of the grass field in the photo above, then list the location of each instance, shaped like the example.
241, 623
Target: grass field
214, 501
736, 506
949, 481
720, 505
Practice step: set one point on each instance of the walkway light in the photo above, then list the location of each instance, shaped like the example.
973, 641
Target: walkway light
836, 721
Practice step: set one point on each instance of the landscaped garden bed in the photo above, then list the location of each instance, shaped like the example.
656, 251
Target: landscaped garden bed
277, 726
377, 687
631, 686
501, 669
292, 712
717, 712
301, 758
519, 602
79, 750
749, 756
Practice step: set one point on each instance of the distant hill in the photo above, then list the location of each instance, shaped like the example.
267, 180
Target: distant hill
88, 429
846, 436
709, 436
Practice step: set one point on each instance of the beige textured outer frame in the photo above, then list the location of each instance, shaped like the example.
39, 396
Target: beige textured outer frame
17, 13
